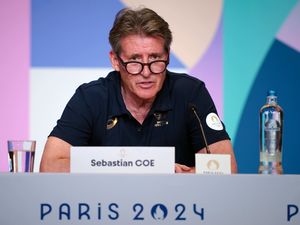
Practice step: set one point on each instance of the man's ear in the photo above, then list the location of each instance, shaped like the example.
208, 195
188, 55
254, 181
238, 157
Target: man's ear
114, 60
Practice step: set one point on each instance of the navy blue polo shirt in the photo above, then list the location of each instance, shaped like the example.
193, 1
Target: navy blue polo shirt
97, 116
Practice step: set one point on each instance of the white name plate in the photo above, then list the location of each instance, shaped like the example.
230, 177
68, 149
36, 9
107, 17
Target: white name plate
151, 160
217, 164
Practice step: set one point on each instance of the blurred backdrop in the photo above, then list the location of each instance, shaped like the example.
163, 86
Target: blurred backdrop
240, 49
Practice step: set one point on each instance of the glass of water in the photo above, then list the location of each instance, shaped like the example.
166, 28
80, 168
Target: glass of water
21, 155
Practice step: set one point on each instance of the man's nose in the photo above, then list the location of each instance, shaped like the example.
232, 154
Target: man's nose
146, 71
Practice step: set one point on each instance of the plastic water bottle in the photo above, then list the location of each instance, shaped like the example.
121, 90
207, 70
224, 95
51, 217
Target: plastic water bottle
271, 127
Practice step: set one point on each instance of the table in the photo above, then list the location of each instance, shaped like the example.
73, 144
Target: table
124, 199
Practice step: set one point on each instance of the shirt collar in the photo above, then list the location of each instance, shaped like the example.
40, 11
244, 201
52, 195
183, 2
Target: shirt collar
163, 98
116, 104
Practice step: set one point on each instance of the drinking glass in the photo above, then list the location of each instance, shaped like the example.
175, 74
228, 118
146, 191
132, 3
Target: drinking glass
21, 155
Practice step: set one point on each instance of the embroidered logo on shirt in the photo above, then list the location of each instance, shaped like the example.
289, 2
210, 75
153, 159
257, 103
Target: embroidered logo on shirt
159, 120
213, 121
111, 123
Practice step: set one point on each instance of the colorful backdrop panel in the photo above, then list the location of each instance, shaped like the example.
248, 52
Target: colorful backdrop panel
256, 61
239, 49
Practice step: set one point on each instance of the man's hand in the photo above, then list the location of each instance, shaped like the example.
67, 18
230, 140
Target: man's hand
179, 168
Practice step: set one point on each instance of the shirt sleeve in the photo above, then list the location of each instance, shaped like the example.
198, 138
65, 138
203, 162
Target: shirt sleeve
214, 129
75, 124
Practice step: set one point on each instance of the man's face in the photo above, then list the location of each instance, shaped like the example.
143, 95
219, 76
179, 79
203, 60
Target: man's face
144, 85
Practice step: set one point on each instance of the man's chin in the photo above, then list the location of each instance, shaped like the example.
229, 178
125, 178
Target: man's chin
147, 96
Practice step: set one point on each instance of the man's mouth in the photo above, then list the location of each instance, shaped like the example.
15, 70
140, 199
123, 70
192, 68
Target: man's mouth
145, 84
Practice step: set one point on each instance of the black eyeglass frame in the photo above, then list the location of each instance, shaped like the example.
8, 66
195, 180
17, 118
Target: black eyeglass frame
166, 62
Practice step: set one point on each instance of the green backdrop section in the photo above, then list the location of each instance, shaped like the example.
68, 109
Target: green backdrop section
250, 28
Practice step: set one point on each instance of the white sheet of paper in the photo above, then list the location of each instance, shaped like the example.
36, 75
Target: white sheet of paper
120, 159
217, 164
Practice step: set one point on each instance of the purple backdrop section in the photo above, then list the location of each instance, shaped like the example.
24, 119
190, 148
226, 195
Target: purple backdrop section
210, 69
14, 78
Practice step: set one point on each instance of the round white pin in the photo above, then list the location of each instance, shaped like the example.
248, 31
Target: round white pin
213, 121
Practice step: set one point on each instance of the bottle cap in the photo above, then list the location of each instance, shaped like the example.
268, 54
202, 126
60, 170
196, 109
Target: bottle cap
272, 93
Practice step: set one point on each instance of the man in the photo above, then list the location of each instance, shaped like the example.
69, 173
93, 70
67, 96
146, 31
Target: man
140, 103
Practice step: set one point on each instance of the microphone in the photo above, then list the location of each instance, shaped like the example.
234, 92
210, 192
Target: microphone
194, 110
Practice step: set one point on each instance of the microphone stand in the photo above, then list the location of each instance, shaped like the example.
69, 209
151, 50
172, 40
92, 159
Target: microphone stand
201, 127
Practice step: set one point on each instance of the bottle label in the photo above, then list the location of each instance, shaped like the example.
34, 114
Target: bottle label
272, 136
266, 157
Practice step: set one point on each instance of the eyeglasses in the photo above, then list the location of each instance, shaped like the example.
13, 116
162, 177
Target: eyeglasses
135, 67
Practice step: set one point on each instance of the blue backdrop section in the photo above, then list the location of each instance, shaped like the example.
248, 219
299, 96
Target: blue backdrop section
65, 34
280, 71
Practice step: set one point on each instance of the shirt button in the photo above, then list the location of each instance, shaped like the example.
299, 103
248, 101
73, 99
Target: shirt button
139, 129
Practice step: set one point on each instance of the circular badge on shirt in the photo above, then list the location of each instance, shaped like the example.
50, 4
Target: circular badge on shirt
213, 121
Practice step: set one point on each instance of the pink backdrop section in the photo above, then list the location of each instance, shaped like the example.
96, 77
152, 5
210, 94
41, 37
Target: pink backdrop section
14, 77
210, 69
290, 31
